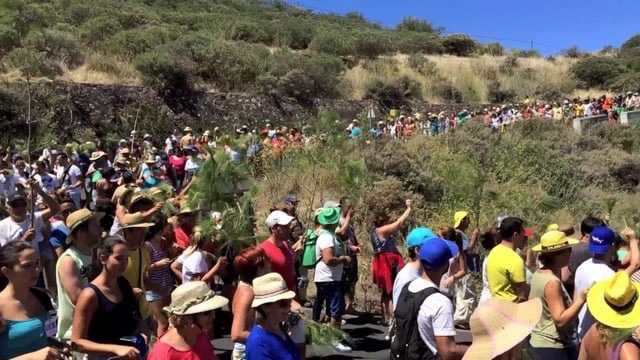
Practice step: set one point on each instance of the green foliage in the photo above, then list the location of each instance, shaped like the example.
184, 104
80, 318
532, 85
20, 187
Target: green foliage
459, 45
597, 72
416, 25
394, 94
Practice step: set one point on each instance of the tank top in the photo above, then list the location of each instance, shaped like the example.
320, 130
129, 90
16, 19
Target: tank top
23, 336
160, 277
381, 245
111, 321
239, 349
65, 307
546, 334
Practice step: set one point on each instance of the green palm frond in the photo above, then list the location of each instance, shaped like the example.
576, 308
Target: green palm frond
325, 334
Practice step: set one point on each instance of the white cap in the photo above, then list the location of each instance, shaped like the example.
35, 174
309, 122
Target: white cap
278, 217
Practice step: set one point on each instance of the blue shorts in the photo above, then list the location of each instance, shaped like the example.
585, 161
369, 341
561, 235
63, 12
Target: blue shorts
332, 293
152, 296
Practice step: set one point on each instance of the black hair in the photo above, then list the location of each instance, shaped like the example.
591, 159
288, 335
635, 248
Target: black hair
106, 248
510, 226
9, 254
589, 223
159, 221
489, 239
412, 252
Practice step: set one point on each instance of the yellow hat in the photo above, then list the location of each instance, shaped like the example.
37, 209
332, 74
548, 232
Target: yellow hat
614, 302
554, 240
552, 227
458, 217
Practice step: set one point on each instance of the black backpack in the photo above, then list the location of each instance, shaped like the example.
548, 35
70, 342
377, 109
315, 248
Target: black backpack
407, 344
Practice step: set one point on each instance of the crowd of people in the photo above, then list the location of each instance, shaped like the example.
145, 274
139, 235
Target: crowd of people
92, 266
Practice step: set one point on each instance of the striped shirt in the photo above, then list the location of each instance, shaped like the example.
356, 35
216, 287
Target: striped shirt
162, 276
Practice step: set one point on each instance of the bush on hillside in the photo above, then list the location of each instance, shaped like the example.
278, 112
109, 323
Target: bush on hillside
394, 94
415, 25
370, 45
631, 47
459, 45
99, 29
9, 39
448, 92
491, 49
422, 65
332, 42
498, 95
597, 72
510, 65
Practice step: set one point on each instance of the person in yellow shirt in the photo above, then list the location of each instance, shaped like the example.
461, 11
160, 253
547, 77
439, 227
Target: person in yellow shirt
133, 228
579, 109
506, 273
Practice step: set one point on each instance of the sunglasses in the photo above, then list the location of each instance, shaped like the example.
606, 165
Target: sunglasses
283, 304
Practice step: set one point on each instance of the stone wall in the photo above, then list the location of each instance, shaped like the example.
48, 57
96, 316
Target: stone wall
107, 109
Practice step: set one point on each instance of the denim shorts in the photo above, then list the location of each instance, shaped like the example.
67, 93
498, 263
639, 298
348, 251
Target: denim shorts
152, 296
332, 292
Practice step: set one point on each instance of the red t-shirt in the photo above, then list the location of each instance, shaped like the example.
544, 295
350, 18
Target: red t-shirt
178, 163
181, 237
201, 350
282, 261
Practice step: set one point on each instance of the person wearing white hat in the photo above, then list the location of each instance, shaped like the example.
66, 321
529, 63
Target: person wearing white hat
190, 314
272, 301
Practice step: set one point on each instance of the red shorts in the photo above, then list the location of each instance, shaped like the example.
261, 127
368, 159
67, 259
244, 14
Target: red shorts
385, 266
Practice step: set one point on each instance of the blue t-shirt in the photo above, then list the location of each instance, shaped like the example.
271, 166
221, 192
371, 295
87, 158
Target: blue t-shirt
22, 337
355, 132
263, 345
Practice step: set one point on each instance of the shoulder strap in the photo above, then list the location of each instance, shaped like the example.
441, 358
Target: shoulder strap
43, 297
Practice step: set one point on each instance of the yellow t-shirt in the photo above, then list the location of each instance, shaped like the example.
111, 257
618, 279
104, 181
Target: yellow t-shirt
135, 275
504, 269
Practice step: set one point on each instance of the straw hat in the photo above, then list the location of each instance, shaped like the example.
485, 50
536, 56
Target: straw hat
79, 217
187, 210
134, 221
554, 240
150, 159
97, 155
614, 302
270, 288
497, 325
194, 297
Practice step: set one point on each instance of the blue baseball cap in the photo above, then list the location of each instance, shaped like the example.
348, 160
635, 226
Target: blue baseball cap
437, 252
601, 240
418, 236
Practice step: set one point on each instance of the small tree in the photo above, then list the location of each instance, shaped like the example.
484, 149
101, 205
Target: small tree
597, 72
459, 45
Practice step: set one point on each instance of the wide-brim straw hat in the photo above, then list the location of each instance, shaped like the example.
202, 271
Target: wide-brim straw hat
135, 220
270, 288
553, 241
97, 155
194, 297
497, 325
615, 302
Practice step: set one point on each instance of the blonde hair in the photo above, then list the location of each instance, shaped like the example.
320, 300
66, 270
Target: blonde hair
197, 240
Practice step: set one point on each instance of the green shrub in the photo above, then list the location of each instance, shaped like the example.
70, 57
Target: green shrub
332, 42
493, 49
29, 61
295, 34
597, 72
249, 31
415, 25
459, 45
63, 46
448, 92
394, 94
413, 42
130, 43
370, 44
9, 39
423, 65
100, 28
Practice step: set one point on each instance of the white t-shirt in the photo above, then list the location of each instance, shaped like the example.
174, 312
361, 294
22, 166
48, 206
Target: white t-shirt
589, 272
435, 317
323, 272
72, 177
485, 294
47, 182
8, 184
193, 264
407, 274
11, 231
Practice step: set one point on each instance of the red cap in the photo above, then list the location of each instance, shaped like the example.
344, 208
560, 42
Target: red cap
528, 232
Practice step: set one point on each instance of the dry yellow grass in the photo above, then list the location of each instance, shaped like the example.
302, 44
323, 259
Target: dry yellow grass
101, 69
470, 76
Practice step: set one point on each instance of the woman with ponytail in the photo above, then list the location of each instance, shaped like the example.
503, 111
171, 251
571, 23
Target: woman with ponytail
192, 264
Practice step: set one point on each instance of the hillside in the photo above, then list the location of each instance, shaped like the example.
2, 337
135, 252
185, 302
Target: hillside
269, 47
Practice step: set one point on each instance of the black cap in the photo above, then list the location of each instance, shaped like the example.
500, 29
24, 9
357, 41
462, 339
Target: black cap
16, 197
